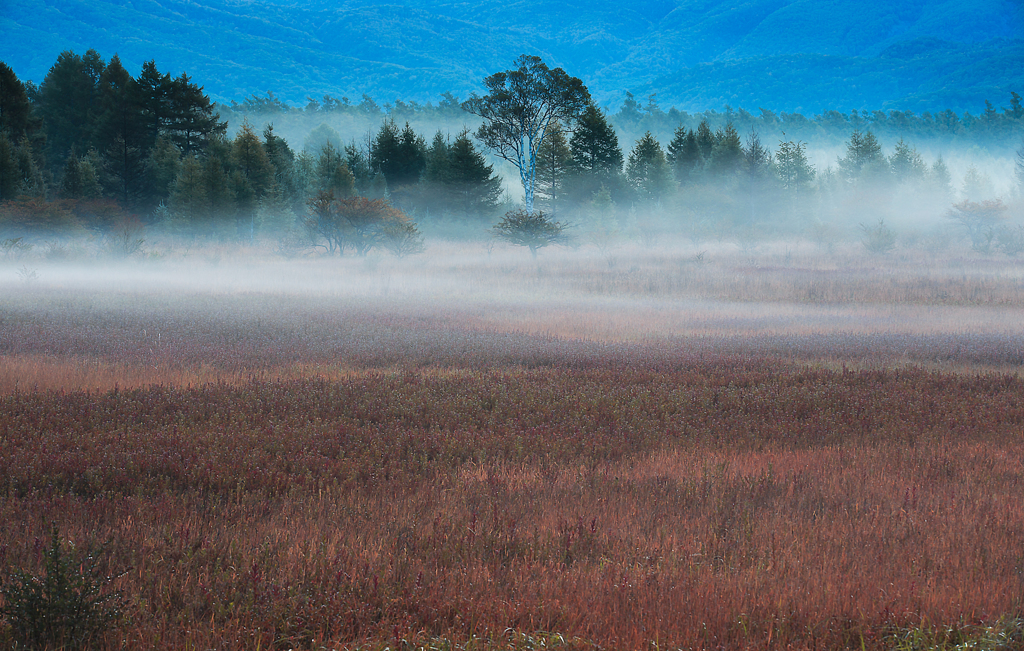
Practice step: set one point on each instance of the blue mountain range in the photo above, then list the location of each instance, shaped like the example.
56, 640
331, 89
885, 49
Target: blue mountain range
785, 55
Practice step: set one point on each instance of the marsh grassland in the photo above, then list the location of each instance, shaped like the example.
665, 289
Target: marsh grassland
676, 447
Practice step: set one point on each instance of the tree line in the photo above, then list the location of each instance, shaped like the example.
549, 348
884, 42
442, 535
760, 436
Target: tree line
705, 176
990, 126
92, 146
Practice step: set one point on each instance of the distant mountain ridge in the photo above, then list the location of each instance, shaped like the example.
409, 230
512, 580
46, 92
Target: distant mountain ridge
807, 55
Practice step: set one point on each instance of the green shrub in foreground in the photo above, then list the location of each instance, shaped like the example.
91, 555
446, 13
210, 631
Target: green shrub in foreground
67, 607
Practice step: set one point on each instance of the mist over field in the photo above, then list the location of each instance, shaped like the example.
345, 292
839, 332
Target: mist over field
468, 304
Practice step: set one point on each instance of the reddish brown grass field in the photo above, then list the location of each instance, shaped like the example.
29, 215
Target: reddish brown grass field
714, 463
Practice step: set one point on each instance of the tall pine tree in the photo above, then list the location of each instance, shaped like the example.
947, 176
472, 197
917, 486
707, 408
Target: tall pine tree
252, 179
332, 173
795, 173
727, 152
10, 176
906, 165
282, 158
154, 93
191, 123
863, 158
554, 165
475, 188
684, 154
596, 158
188, 202
15, 111
756, 178
67, 103
120, 135
647, 169
705, 140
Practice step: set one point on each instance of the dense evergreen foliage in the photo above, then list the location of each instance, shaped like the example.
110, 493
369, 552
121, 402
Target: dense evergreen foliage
95, 148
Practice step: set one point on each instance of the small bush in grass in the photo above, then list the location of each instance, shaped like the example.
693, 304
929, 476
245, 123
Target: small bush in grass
68, 607
878, 239
531, 229
1007, 634
510, 640
1011, 240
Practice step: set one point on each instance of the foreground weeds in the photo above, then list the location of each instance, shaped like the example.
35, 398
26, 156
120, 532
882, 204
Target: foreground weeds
1005, 634
728, 505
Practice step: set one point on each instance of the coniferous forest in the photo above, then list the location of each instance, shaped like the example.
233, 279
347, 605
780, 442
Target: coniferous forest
96, 149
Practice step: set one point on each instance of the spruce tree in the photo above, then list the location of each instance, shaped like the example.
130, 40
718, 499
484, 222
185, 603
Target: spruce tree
596, 158
554, 162
727, 152
15, 111
66, 102
434, 191
252, 178
10, 177
475, 189
594, 145
705, 140
756, 177
412, 158
863, 158
399, 155
282, 158
437, 167
332, 173
251, 161
940, 178
154, 96
384, 151
188, 202
119, 135
906, 164
757, 159
794, 172
684, 154
647, 169
192, 123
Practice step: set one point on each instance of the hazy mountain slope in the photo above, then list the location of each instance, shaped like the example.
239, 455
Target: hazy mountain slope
944, 75
839, 27
811, 54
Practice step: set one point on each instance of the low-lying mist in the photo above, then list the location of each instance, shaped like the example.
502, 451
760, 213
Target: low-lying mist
204, 313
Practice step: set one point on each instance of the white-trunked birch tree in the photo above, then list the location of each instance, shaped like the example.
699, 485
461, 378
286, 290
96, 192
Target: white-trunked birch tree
519, 110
